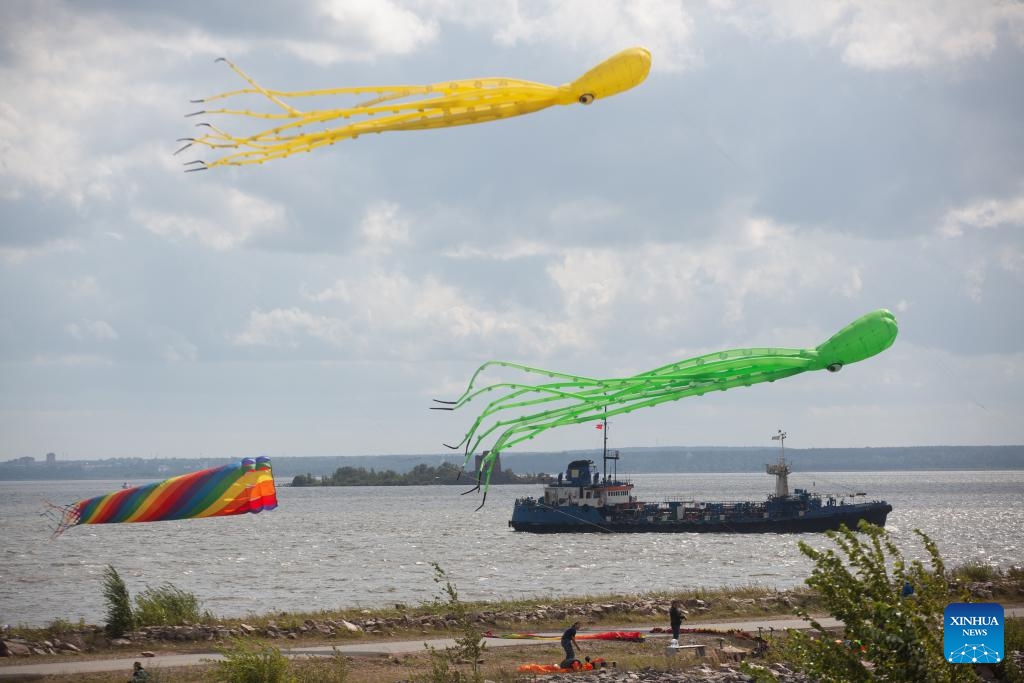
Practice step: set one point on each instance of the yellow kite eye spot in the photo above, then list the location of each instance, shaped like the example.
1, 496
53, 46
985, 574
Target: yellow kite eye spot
586, 98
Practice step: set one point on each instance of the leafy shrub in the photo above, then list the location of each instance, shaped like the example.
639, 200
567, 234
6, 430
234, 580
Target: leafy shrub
120, 619
888, 635
62, 628
166, 605
1013, 640
247, 661
975, 571
469, 645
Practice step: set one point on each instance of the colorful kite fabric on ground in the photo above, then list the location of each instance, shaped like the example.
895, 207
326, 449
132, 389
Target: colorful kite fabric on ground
401, 107
577, 665
246, 486
571, 399
734, 632
633, 636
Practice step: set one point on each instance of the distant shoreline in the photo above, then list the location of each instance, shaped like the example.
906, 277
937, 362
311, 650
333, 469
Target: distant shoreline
647, 460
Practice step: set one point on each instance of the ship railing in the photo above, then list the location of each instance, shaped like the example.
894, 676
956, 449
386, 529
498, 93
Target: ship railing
711, 502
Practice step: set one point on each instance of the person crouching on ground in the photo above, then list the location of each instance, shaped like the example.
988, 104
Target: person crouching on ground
138, 674
568, 643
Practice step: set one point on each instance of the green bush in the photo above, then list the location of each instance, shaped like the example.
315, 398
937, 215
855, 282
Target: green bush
1013, 640
62, 628
888, 636
120, 619
247, 661
469, 645
975, 571
167, 605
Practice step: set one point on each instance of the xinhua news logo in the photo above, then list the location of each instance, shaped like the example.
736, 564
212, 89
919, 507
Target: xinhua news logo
973, 632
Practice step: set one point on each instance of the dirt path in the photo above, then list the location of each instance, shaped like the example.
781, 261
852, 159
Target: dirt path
22, 672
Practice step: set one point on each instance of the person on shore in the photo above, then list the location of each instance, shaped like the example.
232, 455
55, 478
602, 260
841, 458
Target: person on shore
139, 675
675, 618
568, 642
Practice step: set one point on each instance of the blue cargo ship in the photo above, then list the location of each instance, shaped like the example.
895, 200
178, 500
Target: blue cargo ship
584, 500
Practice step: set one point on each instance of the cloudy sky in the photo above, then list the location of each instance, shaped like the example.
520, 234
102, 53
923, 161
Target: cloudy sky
786, 167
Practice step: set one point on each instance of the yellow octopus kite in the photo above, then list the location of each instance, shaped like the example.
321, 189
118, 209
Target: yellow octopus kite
403, 107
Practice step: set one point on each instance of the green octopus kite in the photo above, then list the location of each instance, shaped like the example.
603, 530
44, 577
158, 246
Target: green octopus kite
571, 399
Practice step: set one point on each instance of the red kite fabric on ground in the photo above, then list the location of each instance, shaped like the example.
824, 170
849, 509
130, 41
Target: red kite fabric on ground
633, 636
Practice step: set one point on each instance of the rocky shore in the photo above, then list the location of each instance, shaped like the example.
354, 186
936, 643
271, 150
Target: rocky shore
407, 622
705, 674
353, 624
724, 673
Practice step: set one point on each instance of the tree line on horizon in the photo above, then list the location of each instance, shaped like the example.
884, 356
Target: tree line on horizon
637, 460
420, 475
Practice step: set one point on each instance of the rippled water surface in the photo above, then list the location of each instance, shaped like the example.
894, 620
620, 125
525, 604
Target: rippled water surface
327, 548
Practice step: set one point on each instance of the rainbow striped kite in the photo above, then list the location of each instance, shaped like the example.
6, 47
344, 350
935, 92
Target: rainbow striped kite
246, 486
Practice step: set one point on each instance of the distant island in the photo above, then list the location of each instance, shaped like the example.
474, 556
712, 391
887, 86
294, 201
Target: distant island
445, 473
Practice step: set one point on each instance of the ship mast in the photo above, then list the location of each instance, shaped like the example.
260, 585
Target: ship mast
780, 469
604, 454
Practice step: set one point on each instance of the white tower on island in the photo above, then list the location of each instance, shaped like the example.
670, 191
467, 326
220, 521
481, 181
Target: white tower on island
780, 469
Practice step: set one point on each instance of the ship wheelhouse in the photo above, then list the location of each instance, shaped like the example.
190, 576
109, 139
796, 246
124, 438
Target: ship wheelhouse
581, 484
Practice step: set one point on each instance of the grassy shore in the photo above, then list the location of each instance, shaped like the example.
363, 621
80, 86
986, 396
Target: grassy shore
432, 619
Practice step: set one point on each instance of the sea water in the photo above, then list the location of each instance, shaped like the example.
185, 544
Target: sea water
360, 547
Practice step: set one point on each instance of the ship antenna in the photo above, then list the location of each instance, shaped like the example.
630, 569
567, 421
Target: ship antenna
605, 457
604, 452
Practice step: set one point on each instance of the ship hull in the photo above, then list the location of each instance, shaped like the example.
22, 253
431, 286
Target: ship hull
583, 520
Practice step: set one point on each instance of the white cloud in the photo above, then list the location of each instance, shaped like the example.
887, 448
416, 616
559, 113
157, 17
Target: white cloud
384, 228
1011, 258
397, 316
590, 281
974, 278
19, 255
362, 30
658, 287
85, 287
509, 250
92, 330
236, 218
285, 326
987, 213
179, 350
337, 292
70, 79
597, 27
876, 34
977, 251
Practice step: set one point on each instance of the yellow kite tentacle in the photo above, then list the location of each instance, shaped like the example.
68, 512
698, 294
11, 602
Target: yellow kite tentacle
288, 108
